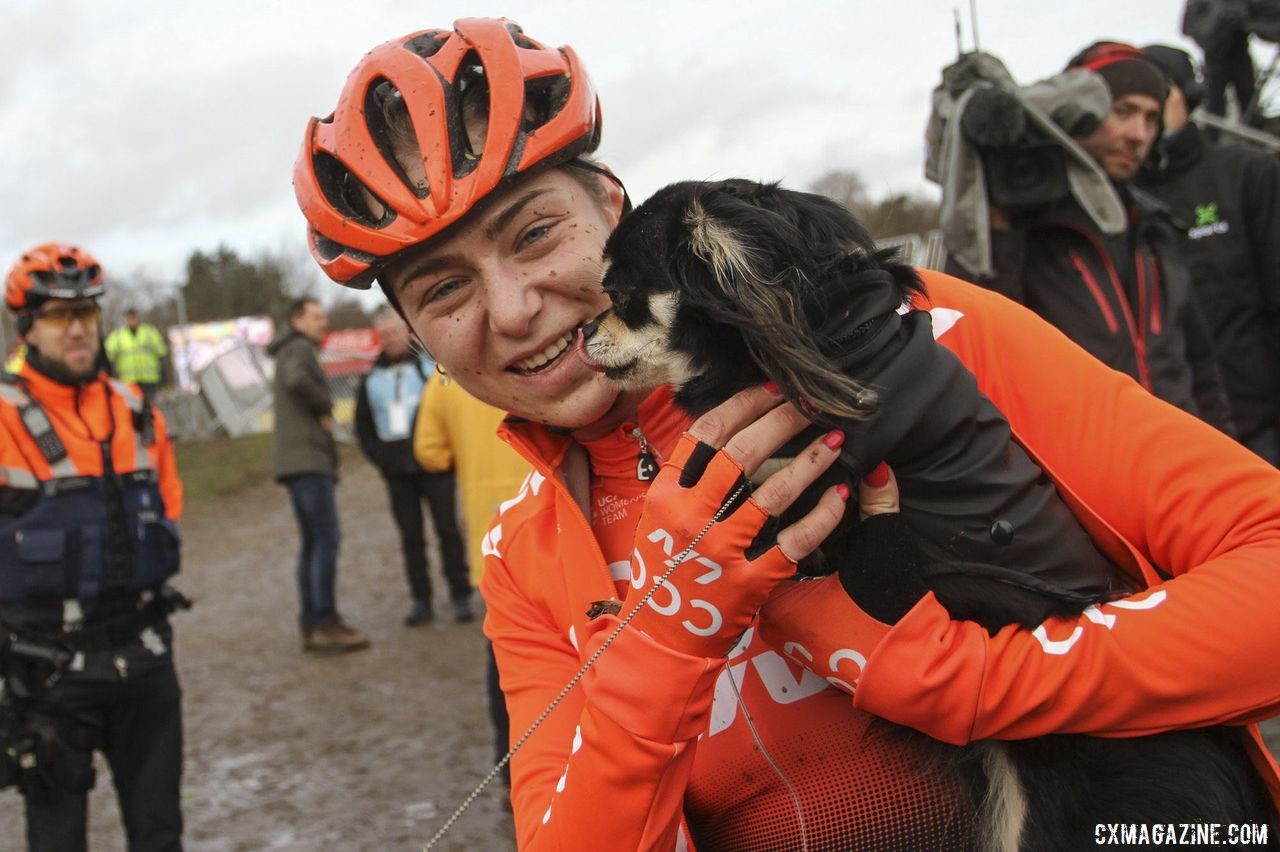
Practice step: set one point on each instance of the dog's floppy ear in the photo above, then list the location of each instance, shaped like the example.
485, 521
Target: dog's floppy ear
745, 267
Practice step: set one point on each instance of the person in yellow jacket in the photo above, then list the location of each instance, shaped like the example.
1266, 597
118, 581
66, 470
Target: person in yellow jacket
138, 352
455, 431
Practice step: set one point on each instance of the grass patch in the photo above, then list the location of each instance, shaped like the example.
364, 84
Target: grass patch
223, 467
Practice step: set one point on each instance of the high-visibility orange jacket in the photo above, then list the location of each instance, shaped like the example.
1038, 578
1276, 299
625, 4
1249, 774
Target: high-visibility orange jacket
66, 530
81, 417
651, 736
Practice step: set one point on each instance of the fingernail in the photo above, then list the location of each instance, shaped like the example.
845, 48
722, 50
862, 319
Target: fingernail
843, 490
878, 477
771, 387
834, 439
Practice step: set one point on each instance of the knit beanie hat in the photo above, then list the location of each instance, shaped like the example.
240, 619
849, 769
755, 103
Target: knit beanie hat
1125, 68
1179, 68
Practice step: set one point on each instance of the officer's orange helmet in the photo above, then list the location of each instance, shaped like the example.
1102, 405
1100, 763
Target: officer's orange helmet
362, 206
52, 271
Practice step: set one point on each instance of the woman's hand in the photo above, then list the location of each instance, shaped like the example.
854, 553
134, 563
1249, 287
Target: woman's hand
729, 549
878, 492
832, 625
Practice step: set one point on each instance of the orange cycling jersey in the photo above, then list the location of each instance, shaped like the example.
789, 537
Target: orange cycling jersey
660, 750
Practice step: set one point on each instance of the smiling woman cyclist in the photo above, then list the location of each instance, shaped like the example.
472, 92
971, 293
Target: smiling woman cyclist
453, 172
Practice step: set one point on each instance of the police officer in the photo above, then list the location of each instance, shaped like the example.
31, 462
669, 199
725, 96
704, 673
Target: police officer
89, 494
137, 352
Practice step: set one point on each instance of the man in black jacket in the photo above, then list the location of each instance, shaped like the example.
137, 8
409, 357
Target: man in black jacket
386, 409
1126, 297
1228, 198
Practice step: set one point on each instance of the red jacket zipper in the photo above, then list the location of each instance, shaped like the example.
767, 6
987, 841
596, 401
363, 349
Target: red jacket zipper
1135, 336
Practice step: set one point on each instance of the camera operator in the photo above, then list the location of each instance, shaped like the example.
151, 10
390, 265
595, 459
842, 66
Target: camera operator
1125, 297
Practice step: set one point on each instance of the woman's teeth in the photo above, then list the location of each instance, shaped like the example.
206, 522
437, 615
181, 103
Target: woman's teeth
546, 356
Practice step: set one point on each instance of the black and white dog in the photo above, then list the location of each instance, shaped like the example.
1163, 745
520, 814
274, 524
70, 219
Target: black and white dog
720, 286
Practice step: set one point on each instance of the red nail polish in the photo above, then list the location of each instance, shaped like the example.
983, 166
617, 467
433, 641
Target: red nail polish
771, 387
834, 439
879, 476
843, 491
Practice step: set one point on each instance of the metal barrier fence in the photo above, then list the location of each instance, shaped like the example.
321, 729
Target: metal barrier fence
235, 399
927, 251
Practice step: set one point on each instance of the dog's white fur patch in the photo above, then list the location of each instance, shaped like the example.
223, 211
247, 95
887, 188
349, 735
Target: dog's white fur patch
716, 243
1004, 811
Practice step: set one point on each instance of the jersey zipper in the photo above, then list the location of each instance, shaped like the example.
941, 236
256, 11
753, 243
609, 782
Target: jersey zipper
650, 459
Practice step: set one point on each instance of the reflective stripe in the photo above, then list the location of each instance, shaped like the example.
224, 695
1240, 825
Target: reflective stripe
38, 426
126, 391
13, 394
17, 477
141, 458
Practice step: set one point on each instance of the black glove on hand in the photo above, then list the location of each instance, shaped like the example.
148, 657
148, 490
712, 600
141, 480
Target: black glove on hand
880, 569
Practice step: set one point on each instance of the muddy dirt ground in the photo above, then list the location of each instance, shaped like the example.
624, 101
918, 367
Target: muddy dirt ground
286, 751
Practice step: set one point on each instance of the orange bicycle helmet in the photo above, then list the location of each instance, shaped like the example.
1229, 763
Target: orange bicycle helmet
363, 206
52, 271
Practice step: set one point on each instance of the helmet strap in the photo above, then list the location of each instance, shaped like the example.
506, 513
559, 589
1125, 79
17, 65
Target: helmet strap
588, 166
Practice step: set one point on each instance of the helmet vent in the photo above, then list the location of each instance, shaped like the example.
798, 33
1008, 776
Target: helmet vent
428, 44
543, 100
468, 105
348, 195
330, 250
520, 39
392, 130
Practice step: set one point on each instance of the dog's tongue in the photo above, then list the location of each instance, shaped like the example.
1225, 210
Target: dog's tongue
580, 349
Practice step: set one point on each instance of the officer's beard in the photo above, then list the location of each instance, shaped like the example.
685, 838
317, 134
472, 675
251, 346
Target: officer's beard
60, 372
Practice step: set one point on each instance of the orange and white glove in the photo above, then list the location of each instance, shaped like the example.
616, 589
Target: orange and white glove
698, 511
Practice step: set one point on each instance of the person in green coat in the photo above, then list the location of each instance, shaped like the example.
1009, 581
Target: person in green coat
304, 459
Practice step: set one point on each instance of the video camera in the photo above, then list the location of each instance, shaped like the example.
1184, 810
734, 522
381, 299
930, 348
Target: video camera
1025, 168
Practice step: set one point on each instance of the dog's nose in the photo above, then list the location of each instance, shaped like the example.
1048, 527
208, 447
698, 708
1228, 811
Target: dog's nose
589, 329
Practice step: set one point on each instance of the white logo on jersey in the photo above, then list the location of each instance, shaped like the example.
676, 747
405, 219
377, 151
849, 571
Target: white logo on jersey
1058, 647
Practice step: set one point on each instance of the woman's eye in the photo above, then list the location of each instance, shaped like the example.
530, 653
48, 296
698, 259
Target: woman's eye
443, 290
534, 234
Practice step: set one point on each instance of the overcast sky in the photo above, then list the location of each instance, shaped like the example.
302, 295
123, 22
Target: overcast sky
145, 130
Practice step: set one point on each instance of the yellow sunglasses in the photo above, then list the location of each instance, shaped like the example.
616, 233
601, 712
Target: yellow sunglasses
63, 315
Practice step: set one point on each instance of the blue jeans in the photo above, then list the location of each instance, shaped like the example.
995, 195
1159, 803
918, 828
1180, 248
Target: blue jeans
316, 509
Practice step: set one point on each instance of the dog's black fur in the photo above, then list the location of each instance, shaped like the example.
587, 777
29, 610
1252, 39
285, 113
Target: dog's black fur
717, 287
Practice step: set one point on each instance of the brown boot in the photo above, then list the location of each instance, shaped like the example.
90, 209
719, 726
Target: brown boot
336, 638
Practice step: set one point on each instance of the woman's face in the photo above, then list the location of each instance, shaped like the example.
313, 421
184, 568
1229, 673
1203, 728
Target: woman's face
500, 301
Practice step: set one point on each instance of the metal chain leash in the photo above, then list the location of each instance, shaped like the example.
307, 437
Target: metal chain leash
672, 563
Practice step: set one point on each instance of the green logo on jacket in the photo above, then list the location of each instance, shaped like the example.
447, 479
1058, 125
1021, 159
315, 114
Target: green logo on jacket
1208, 222
1206, 214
